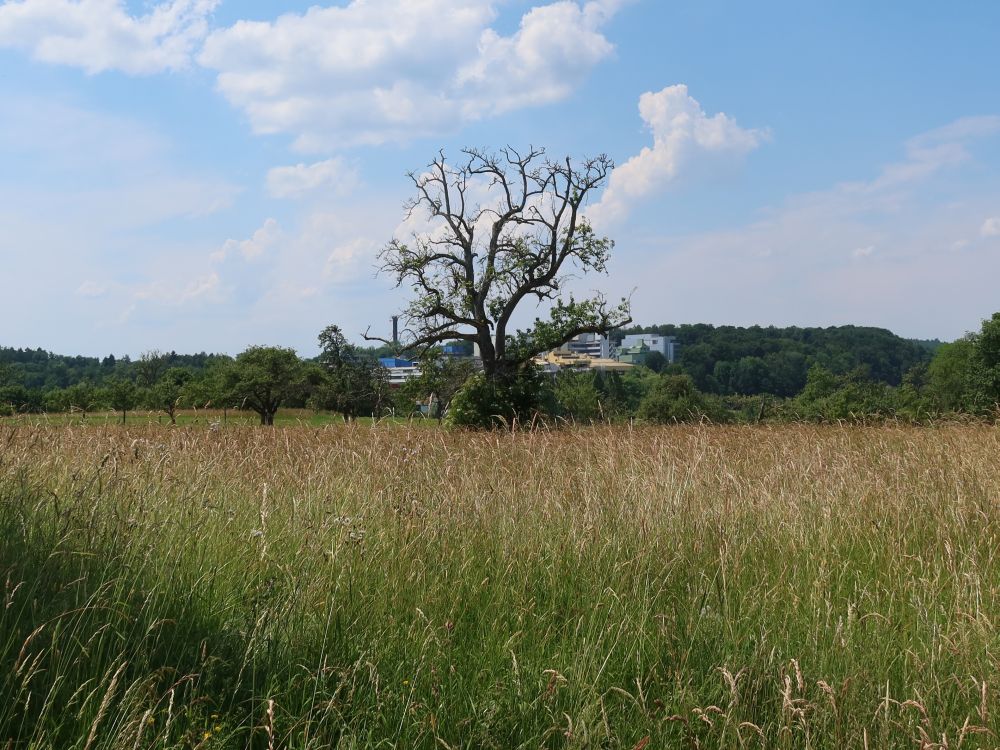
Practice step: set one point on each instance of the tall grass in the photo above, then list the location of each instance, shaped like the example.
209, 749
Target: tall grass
383, 586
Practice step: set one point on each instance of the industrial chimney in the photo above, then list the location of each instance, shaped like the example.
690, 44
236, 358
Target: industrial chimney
395, 330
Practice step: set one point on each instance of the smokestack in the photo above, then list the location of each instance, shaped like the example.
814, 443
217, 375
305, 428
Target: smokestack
395, 330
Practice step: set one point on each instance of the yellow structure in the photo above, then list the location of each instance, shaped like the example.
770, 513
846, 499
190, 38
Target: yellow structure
561, 359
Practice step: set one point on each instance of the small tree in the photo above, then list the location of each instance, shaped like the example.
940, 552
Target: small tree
988, 354
122, 395
349, 383
954, 383
82, 396
167, 393
263, 378
212, 389
674, 398
506, 228
151, 367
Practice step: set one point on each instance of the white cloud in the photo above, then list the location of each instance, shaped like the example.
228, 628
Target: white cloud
101, 35
374, 71
791, 266
332, 175
92, 289
545, 60
177, 292
991, 227
681, 132
345, 259
263, 240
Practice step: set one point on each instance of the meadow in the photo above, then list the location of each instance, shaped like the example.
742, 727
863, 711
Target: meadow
356, 586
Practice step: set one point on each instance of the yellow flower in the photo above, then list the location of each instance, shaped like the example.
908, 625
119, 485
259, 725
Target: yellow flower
206, 735
406, 682
218, 728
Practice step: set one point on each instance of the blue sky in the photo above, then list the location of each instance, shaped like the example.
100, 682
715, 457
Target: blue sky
207, 175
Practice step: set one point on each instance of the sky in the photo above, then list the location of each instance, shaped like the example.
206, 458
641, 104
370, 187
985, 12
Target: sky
206, 175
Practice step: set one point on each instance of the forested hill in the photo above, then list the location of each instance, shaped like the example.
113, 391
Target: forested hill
39, 369
730, 359
723, 359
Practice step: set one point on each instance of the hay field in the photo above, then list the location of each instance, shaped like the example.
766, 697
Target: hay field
359, 586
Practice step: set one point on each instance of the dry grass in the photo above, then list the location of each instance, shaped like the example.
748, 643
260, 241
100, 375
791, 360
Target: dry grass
393, 587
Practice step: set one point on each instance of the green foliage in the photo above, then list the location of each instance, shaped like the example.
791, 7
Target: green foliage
262, 378
755, 360
852, 397
674, 398
655, 361
953, 378
577, 397
486, 402
122, 395
346, 381
168, 392
83, 397
439, 380
567, 318
988, 355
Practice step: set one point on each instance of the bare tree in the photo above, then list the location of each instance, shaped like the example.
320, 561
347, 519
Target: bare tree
504, 227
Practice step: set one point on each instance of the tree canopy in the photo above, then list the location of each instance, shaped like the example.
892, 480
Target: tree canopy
264, 377
502, 228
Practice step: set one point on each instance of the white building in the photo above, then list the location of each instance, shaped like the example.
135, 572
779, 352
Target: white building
400, 370
589, 344
665, 345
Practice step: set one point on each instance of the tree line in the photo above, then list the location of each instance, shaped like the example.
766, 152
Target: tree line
755, 360
344, 378
850, 373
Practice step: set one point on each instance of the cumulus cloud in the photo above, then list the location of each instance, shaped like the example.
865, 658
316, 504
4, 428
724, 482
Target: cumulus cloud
373, 71
101, 35
177, 292
332, 175
682, 131
991, 227
344, 260
256, 246
795, 263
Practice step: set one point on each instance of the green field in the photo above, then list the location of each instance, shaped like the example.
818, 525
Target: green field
390, 586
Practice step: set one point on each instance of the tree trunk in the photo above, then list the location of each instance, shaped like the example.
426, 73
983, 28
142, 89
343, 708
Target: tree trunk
123, 416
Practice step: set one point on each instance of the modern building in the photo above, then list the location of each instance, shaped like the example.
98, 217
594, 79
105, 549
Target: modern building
665, 345
400, 370
633, 355
590, 345
560, 359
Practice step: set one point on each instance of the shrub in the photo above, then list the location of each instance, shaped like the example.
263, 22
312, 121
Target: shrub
674, 398
500, 402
